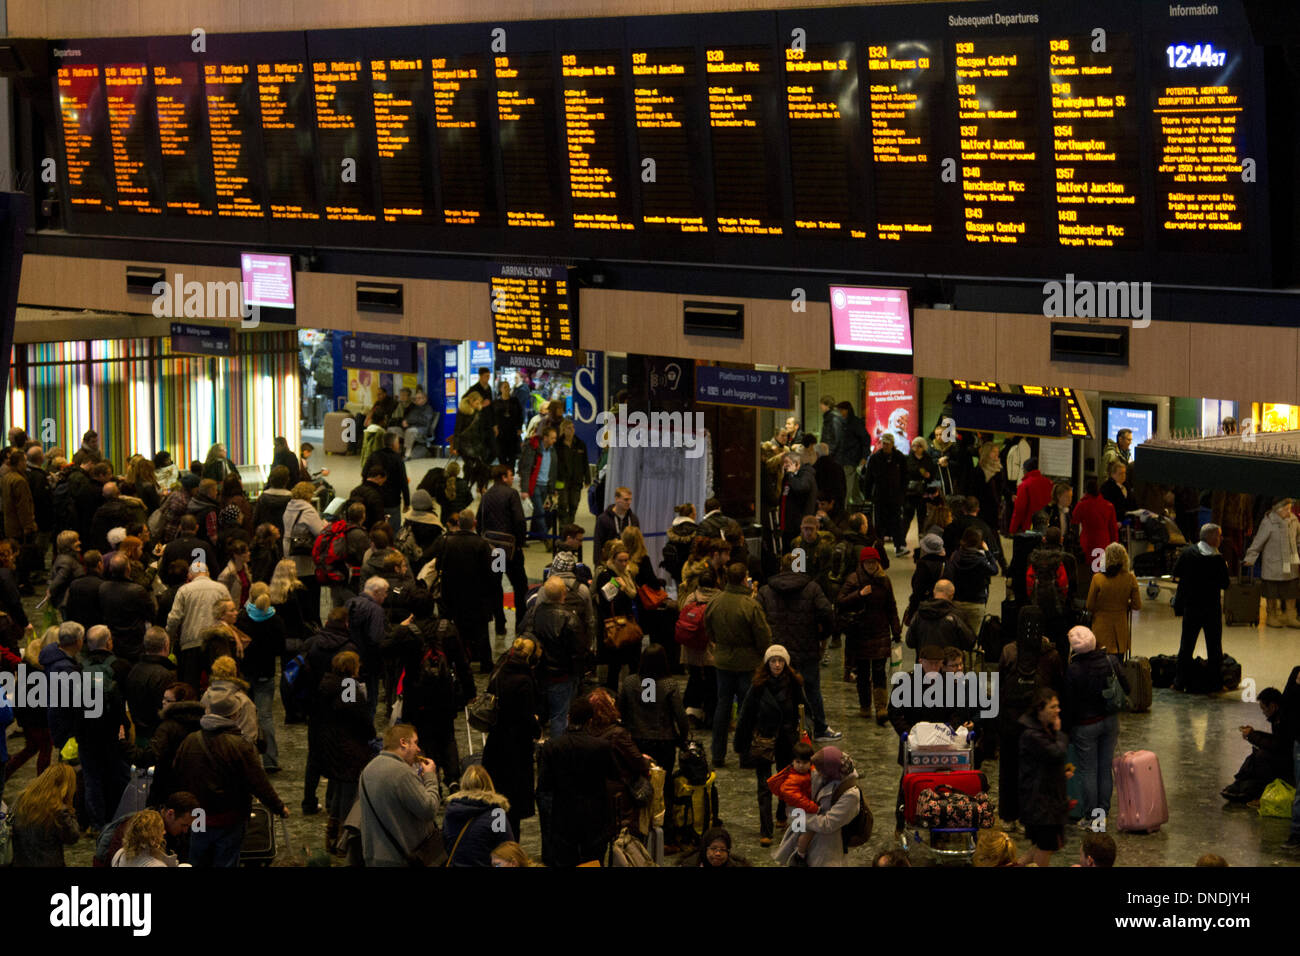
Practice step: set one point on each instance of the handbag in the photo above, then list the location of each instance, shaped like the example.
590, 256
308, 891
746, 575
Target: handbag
431, 851
1113, 694
484, 712
503, 540
762, 749
621, 632
651, 599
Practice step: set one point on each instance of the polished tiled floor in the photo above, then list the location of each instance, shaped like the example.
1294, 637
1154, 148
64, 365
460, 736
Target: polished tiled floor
1196, 739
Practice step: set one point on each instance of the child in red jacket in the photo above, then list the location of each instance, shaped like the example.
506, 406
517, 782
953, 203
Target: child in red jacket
793, 787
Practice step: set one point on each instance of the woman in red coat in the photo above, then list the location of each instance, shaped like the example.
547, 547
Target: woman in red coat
1098, 526
868, 597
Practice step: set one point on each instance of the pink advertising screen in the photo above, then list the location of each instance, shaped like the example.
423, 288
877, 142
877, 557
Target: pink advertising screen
268, 280
871, 320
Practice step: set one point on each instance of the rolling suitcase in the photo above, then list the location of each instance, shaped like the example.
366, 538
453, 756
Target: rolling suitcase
1137, 671
472, 758
1241, 601
258, 848
1140, 792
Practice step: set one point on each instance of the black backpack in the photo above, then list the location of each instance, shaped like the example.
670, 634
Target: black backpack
844, 561
1047, 594
1023, 683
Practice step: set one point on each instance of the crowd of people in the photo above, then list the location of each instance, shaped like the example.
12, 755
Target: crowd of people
199, 606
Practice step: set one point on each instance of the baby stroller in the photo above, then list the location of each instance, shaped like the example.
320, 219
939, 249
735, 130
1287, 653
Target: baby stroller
943, 799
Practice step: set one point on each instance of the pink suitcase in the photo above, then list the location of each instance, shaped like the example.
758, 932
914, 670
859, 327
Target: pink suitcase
1140, 792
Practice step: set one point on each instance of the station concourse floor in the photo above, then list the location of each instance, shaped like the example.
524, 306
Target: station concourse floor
1195, 737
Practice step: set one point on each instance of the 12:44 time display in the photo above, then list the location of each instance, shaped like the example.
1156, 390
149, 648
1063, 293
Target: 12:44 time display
1181, 56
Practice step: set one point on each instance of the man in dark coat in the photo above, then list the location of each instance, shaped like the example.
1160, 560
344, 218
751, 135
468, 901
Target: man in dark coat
612, 522
38, 479
115, 512
126, 607
832, 425
1202, 576
396, 490
148, 680
886, 469
501, 512
573, 771
798, 494
937, 622
851, 455
800, 616
371, 493
182, 549
83, 593
464, 563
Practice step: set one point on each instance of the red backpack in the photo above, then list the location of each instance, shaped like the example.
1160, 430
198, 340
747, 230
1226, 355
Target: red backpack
690, 626
330, 554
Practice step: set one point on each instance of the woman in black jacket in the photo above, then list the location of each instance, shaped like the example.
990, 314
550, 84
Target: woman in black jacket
508, 754
471, 829
265, 628
343, 732
770, 712
917, 475
1044, 806
180, 716
1093, 721
437, 681
658, 725
632, 767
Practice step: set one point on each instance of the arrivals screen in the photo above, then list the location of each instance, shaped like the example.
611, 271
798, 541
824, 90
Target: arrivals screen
1117, 142
871, 320
534, 316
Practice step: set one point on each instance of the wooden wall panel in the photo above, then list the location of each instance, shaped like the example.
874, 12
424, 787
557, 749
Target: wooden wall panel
1246, 364
944, 340
779, 336
87, 18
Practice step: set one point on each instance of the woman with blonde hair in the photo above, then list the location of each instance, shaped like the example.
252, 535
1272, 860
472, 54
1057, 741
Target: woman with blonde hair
510, 854
216, 465
994, 848
141, 482
338, 738
226, 682
44, 821
472, 827
260, 620
1112, 596
144, 843
615, 596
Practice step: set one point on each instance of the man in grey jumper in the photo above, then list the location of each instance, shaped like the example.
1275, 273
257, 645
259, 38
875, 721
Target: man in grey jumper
399, 799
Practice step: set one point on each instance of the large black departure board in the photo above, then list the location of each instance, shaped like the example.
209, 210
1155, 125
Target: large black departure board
956, 139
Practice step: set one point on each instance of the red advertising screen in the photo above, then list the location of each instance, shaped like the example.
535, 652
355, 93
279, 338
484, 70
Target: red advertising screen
871, 320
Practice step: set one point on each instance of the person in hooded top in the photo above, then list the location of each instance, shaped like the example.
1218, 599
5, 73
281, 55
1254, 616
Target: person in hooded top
476, 822
868, 596
835, 788
226, 684
929, 569
1091, 720
1028, 664
681, 539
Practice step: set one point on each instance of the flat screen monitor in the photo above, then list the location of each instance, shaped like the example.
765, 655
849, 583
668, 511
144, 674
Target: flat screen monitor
871, 320
1138, 417
268, 280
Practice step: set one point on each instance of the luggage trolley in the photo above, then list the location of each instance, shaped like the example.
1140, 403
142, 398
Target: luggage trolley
1153, 547
930, 767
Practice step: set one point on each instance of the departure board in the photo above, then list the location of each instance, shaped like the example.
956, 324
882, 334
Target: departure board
825, 168
405, 174
1199, 108
86, 149
183, 139
997, 107
741, 89
526, 119
342, 96
232, 119
461, 119
663, 96
595, 133
284, 95
904, 88
1095, 149
130, 132
534, 316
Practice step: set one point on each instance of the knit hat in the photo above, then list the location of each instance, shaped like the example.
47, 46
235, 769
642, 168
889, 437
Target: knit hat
830, 762
421, 501
777, 650
563, 561
1082, 640
868, 554
189, 480
932, 544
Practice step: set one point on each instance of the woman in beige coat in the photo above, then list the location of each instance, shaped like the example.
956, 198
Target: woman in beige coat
1112, 595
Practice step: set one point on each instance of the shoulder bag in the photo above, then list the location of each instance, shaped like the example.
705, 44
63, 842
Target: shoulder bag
485, 711
431, 851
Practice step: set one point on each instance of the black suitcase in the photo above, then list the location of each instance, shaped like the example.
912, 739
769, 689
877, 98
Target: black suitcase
1231, 673
1241, 601
991, 639
258, 848
1010, 618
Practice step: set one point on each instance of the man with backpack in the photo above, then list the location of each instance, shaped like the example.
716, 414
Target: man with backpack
465, 581
98, 744
1047, 582
559, 635
370, 632
938, 623
338, 553
800, 614
371, 494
